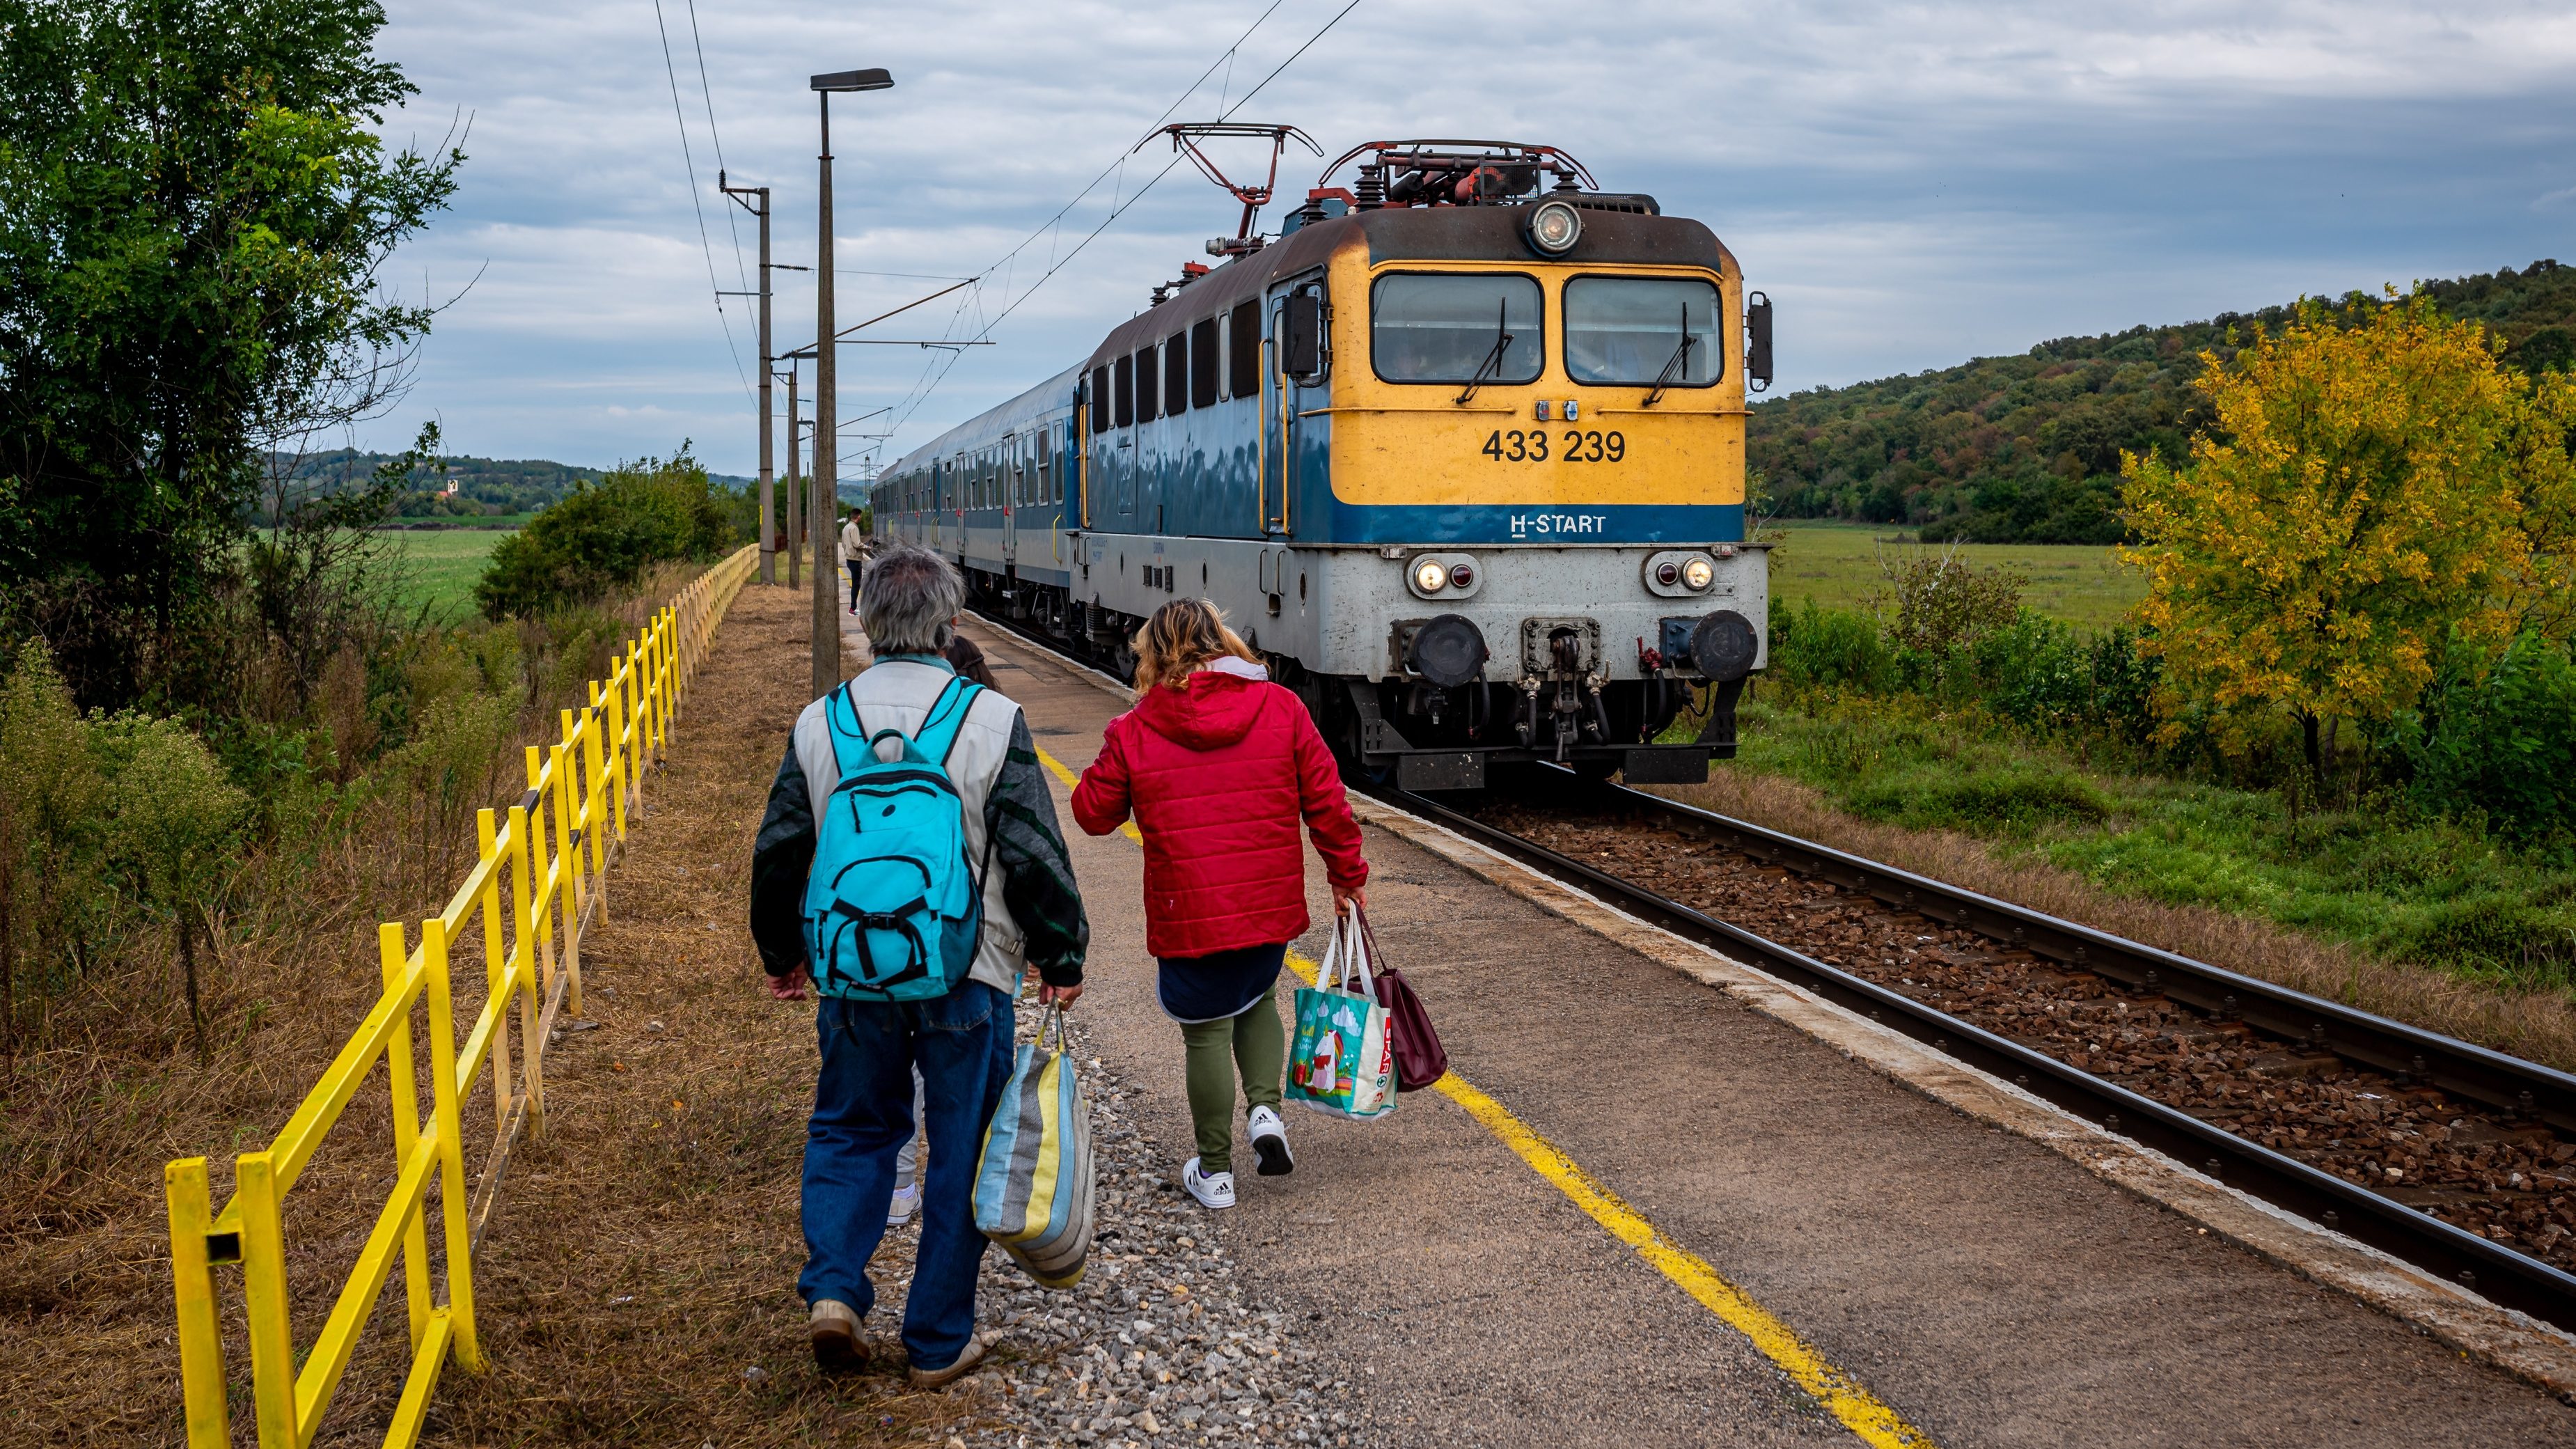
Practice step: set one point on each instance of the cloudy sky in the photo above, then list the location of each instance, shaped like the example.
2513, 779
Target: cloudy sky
1912, 184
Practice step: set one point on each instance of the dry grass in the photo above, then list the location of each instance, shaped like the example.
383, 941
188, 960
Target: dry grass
2539, 1026
86, 1353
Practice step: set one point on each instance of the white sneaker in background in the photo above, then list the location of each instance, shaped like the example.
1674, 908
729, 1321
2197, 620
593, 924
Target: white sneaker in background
1270, 1143
1212, 1189
907, 1201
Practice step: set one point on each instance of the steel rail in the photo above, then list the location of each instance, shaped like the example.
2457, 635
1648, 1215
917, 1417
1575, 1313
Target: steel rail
2491, 1269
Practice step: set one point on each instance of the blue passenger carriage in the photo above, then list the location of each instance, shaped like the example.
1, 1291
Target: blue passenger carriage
1462, 457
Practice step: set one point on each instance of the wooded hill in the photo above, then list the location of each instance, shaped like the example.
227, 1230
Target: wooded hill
484, 486
2027, 449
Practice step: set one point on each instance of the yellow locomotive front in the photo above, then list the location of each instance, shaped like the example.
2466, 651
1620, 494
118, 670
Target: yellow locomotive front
1514, 427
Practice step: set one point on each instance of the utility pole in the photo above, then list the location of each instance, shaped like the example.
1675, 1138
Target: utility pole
795, 481
827, 592
768, 544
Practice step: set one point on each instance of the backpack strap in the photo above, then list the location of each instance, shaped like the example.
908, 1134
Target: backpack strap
946, 719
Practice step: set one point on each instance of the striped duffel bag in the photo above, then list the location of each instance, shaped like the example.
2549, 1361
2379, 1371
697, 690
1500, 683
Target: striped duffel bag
1033, 1187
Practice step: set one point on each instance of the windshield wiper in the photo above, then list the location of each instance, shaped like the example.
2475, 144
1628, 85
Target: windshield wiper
1493, 358
1664, 379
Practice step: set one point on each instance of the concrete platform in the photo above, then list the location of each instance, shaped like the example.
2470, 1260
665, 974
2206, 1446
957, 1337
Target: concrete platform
1985, 1288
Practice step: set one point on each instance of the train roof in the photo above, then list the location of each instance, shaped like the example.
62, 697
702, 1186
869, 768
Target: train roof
1055, 395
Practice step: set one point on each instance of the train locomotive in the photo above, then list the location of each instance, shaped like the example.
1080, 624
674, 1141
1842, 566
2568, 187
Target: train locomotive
1460, 453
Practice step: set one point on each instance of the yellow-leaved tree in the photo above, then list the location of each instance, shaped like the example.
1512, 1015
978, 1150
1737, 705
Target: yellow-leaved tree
2374, 487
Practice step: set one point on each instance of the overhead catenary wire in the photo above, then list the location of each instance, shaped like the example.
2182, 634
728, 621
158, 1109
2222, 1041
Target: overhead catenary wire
1058, 264
689, 161
733, 226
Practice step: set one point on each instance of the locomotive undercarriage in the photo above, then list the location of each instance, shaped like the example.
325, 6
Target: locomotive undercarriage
1422, 736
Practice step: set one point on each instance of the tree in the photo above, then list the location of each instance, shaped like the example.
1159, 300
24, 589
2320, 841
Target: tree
603, 535
2375, 488
193, 210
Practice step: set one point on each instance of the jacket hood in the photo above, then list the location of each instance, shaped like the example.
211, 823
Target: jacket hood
1212, 708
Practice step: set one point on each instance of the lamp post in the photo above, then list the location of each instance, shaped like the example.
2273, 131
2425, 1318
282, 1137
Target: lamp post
825, 470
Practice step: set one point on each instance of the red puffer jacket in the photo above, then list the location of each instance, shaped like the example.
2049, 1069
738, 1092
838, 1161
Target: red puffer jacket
1218, 773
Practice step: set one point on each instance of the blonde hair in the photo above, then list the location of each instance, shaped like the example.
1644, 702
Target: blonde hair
1181, 636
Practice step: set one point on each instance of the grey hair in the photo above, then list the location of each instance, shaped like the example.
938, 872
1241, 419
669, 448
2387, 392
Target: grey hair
907, 598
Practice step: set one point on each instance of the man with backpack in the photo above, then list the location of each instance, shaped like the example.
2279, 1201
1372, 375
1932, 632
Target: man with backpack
909, 871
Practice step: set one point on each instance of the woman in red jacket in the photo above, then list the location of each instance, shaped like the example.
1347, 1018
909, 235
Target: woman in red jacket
1218, 764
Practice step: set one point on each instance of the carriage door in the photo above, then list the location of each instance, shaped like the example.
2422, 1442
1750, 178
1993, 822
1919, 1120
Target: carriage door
1015, 482
1296, 360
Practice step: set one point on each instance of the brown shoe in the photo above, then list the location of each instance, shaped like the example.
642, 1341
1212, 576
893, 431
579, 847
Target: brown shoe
940, 1378
834, 1331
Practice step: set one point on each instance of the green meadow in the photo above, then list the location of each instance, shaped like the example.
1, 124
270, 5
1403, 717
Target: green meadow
438, 567
1837, 565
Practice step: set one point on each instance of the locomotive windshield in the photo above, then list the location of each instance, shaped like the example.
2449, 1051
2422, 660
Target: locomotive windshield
1451, 327
1641, 331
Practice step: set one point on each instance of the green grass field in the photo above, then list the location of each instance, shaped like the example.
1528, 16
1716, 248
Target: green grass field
439, 566
1837, 565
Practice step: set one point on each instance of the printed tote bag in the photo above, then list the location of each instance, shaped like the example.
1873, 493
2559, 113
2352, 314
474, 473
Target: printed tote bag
1342, 1061
1033, 1186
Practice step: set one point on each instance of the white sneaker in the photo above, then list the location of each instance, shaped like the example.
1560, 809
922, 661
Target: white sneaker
1212, 1189
1270, 1143
907, 1201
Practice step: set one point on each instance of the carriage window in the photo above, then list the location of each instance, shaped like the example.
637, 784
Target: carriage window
1176, 374
1641, 331
1203, 364
1427, 327
1243, 350
1146, 364
1099, 400
1126, 390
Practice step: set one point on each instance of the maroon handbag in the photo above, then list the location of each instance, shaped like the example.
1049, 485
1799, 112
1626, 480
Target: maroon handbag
1420, 1060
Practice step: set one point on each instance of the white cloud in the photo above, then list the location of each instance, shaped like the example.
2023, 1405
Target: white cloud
1912, 183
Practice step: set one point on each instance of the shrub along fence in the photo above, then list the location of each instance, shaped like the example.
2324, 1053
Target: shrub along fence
542, 867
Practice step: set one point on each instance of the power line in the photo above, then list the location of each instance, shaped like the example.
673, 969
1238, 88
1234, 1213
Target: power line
1139, 195
733, 226
690, 162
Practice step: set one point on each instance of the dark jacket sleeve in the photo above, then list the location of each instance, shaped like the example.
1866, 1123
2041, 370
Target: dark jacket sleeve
780, 856
1037, 875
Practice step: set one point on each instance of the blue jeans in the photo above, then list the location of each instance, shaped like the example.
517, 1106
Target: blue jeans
863, 1113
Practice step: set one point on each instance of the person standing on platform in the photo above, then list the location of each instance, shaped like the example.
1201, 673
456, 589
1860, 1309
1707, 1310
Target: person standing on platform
854, 552
1032, 920
1218, 765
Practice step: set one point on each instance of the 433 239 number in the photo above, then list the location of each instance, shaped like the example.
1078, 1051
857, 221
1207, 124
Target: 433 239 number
1574, 445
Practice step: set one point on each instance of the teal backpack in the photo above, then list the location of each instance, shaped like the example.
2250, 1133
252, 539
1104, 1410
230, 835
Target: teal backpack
894, 909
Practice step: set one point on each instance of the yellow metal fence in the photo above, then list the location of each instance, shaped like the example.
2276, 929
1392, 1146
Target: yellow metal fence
538, 877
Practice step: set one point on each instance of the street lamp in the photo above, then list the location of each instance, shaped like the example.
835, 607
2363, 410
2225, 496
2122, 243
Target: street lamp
827, 579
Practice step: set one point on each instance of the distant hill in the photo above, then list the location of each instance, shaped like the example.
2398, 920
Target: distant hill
484, 486
2027, 449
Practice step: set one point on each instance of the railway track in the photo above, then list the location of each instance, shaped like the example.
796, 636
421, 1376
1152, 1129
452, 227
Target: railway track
2452, 1157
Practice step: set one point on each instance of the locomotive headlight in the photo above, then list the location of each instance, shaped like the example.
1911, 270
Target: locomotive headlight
1430, 576
1698, 574
1554, 227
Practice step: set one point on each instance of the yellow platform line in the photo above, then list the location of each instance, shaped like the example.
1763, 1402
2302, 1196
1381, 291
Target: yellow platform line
1843, 1396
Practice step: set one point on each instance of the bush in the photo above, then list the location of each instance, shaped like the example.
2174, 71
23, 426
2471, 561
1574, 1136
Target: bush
2496, 735
603, 535
1815, 648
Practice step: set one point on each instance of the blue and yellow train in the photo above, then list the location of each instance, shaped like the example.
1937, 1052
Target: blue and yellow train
1461, 457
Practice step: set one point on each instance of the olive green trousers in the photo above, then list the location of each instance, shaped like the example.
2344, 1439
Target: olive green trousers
1252, 1043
